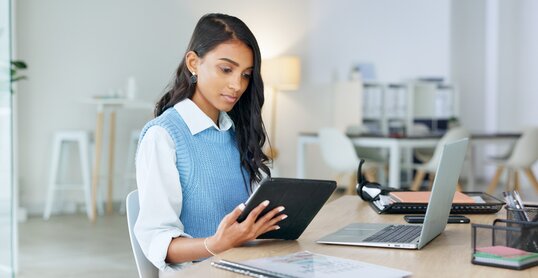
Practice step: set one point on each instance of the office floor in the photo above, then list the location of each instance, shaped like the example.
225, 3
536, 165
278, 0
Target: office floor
70, 246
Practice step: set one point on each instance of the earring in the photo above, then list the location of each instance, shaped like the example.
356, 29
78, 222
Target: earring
194, 78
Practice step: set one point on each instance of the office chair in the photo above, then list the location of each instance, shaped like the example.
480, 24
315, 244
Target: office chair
145, 268
339, 154
421, 154
431, 166
372, 155
523, 156
129, 175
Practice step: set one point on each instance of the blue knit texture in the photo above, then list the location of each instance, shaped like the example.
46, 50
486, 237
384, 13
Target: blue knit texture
209, 171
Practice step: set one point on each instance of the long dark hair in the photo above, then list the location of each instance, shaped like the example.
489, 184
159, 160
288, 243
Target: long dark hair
210, 31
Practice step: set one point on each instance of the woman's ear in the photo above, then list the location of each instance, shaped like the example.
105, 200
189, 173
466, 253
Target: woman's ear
191, 61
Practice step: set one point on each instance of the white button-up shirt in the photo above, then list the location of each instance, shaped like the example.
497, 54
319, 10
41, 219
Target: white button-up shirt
159, 186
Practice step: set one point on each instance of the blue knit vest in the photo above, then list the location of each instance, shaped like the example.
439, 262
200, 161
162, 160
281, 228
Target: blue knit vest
209, 171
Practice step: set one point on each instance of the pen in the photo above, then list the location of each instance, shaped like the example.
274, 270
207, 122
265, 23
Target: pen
519, 202
518, 199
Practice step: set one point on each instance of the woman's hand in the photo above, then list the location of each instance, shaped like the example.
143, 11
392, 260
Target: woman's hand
231, 233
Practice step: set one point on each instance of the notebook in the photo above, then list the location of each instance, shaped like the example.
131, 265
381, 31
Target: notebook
308, 264
424, 196
412, 236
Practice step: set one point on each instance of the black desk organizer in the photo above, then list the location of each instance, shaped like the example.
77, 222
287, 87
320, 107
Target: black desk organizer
509, 232
491, 205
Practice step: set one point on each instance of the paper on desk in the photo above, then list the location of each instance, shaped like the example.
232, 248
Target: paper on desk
308, 264
383, 202
478, 199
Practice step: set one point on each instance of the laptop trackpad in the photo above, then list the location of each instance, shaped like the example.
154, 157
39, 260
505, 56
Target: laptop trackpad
355, 232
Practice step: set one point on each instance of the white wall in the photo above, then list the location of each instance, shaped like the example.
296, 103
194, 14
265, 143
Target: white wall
517, 63
468, 60
404, 39
77, 49
508, 102
527, 62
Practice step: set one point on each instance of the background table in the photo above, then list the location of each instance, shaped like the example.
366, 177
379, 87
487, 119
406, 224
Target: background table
448, 255
395, 146
111, 104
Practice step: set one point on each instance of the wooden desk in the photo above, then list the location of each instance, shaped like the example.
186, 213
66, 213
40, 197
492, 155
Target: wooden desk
395, 146
448, 255
112, 104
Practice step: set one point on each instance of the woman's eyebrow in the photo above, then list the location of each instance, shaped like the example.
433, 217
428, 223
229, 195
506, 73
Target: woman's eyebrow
231, 62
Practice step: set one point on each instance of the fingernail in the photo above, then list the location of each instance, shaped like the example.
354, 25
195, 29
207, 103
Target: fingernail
280, 209
284, 217
277, 227
265, 203
241, 206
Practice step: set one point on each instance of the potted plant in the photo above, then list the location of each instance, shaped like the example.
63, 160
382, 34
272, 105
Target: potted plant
16, 67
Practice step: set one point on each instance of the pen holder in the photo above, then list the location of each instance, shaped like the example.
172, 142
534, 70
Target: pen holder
507, 243
529, 213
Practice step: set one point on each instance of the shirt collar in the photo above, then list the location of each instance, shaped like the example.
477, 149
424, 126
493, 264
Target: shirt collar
197, 121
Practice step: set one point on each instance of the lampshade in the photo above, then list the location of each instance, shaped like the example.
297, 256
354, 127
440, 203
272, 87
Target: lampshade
283, 73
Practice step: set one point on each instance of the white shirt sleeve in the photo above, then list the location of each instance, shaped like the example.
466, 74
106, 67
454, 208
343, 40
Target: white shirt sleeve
159, 191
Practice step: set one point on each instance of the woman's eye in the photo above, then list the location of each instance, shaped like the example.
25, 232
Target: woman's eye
226, 70
247, 75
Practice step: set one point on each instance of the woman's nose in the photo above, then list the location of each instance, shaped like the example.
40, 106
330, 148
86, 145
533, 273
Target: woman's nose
235, 83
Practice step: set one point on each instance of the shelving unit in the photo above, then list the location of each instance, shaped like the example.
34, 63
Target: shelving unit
392, 108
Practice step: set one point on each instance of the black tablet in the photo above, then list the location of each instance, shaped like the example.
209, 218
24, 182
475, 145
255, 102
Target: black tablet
301, 198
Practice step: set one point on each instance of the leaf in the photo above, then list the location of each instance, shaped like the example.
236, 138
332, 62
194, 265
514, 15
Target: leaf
18, 64
18, 78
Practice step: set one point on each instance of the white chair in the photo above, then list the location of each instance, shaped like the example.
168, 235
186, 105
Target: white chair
339, 154
372, 155
82, 139
145, 268
422, 154
523, 156
431, 166
129, 174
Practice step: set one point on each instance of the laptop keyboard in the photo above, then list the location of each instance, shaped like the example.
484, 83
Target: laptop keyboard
396, 233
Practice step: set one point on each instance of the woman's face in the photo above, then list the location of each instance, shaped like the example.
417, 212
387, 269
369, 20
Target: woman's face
223, 75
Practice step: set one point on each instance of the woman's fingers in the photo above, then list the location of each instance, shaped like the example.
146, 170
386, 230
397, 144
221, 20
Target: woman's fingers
272, 224
253, 215
231, 217
270, 215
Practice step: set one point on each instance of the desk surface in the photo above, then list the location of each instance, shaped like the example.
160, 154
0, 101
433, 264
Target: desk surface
448, 255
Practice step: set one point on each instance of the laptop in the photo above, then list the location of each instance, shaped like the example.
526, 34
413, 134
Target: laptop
412, 236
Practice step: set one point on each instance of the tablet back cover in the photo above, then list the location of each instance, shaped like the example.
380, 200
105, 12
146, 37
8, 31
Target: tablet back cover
302, 199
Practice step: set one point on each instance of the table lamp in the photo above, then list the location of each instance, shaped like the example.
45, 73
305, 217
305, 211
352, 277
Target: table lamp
280, 74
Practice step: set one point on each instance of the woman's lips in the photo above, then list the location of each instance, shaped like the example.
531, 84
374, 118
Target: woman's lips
229, 98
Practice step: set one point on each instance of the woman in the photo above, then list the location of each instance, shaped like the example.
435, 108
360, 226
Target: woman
199, 157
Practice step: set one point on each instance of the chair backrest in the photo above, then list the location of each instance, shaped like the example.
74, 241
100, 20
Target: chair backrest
145, 268
525, 151
357, 129
419, 129
337, 150
452, 135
